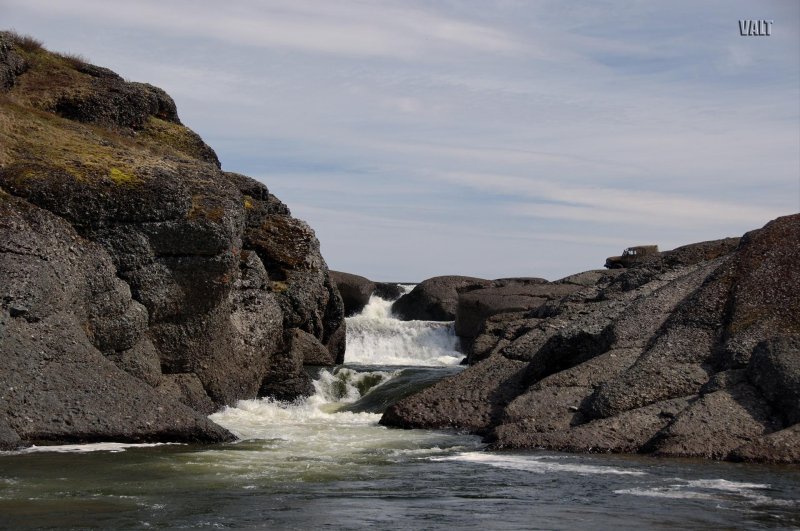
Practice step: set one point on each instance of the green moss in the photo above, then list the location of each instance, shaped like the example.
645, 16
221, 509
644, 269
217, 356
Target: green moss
122, 178
161, 134
248, 202
86, 152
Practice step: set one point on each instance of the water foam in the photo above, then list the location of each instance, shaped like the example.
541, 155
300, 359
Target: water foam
537, 465
265, 418
710, 489
376, 337
112, 447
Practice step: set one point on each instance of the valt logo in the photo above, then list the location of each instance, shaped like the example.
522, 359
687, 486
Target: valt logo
755, 28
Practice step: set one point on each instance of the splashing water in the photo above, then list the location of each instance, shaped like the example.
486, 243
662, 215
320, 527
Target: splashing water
376, 337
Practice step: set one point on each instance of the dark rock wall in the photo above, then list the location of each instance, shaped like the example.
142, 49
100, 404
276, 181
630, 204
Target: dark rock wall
126, 248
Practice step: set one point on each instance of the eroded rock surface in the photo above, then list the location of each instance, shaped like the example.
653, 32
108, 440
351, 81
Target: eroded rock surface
692, 353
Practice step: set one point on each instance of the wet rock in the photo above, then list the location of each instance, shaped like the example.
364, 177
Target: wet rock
472, 400
9, 439
188, 389
286, 379
310, 349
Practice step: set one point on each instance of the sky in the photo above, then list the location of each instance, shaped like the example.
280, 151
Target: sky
490, 138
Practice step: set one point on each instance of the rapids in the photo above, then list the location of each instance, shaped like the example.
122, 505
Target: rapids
325, 462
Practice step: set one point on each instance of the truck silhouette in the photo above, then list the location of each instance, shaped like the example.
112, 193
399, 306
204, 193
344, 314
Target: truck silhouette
630, 256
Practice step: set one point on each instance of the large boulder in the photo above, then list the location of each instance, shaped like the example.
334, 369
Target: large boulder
355, 291
435, 299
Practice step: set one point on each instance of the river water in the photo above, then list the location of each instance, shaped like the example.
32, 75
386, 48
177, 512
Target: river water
324, 462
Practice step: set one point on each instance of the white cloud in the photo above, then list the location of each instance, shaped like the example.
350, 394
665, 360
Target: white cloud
360, 29
488, 138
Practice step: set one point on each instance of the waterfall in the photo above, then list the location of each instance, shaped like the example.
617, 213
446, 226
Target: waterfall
376, 337
386, 359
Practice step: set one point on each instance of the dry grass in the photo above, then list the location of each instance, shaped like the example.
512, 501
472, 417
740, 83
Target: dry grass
75, 60
172, 137
31, 132
26, 42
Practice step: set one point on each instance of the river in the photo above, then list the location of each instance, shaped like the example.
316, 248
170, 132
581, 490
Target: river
324, 462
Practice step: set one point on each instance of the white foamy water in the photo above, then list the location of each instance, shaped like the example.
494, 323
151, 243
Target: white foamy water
85, 448
710, 489
295, 435
318, 430
375, 337
538, 465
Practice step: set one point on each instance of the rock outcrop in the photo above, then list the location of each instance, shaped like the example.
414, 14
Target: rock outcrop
435, 299
692, 353
141, 287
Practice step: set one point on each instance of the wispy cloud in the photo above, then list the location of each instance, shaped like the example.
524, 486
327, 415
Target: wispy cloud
359, 29
488, 138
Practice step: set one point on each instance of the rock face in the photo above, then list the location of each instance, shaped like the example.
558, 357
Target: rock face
355, 291
141, 287
435, 299
692, 353
503, 296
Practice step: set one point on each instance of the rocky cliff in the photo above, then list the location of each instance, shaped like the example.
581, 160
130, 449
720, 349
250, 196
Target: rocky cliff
693, 352
141, 286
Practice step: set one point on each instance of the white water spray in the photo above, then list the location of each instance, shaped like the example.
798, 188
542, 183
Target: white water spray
320, 424
376, 337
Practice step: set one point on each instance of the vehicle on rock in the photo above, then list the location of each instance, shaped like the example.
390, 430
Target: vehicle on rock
630, 256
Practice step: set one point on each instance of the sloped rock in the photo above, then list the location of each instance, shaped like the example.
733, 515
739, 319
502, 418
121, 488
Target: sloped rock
310, 349
627, 432
475, 306
715, 425
472, 400
777, 447
692, 352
